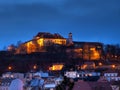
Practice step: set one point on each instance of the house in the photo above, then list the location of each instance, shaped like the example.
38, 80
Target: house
16, 84
71, 74
5, 83
56, 67
112, 75
13, 75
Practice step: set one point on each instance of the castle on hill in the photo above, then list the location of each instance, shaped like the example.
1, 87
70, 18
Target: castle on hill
45, 41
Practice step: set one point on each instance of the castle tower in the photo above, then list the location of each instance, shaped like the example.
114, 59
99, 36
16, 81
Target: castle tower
70, 40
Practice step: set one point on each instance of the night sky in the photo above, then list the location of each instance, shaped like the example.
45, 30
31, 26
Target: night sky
88, 20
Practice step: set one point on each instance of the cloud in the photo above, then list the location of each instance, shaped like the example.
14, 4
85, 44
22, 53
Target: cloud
98, 12
93, 9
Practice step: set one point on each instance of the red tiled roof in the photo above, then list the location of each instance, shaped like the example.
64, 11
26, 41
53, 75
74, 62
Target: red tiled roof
49, 35
111, 71
83, 85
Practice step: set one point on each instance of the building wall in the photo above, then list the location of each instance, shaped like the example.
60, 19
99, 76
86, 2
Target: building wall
90, 52
86, 51
48, 42
37, 45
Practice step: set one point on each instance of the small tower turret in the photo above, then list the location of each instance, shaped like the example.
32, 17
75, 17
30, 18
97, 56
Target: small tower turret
70, 40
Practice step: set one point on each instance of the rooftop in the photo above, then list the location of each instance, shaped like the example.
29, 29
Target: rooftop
49, 35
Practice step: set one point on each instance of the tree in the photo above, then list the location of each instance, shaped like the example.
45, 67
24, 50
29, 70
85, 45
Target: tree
11, 48
111, 51
18, 43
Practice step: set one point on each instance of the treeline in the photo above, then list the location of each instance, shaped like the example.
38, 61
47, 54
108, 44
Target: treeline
111, 52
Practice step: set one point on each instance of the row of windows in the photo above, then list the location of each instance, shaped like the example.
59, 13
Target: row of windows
112, 74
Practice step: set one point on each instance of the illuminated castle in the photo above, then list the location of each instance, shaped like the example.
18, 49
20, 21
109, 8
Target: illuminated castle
84, 50
41, 40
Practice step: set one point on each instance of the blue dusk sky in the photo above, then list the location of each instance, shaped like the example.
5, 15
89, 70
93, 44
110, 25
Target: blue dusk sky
88, 20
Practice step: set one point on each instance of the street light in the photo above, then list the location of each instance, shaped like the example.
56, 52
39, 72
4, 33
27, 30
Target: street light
35, 67
113, 66
9, 68
100, 64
